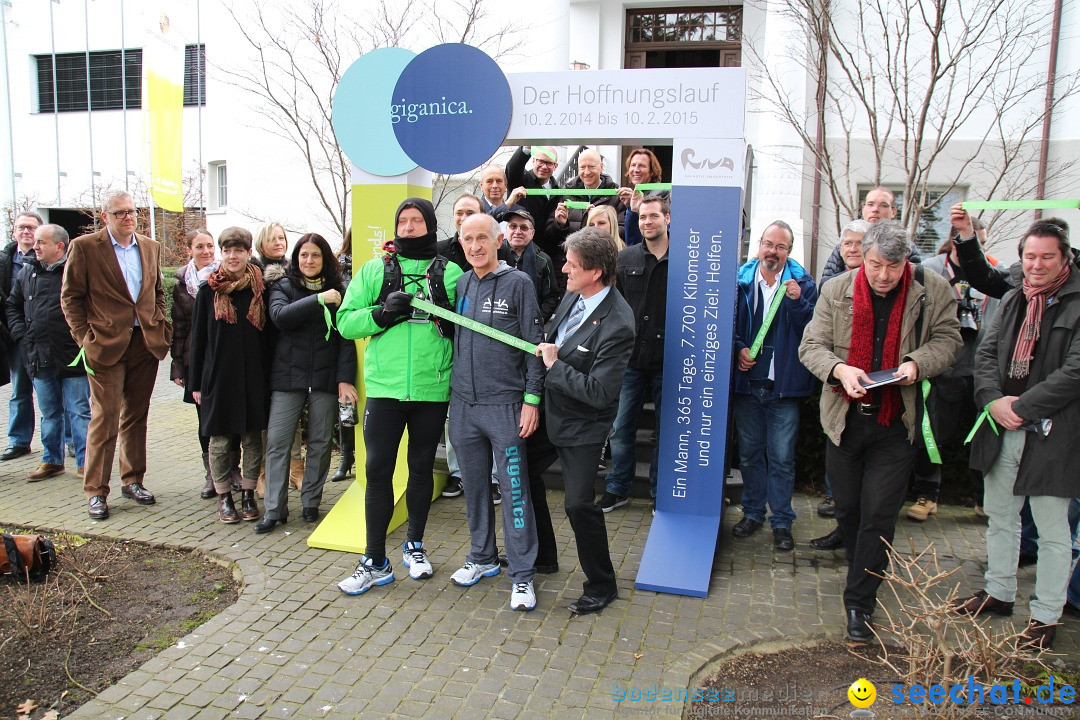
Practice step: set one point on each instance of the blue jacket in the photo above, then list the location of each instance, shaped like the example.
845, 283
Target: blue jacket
792, 379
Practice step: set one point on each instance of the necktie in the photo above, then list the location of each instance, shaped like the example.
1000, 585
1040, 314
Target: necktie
575, 318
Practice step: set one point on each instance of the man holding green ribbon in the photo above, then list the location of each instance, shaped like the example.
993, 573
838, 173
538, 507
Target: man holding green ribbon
868, 321
776, 300
1027, 372
494, 406
599, 189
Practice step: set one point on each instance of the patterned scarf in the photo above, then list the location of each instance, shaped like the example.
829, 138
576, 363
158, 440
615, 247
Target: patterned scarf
314, 284
862, 340
194, 278
1037, 299
224, 284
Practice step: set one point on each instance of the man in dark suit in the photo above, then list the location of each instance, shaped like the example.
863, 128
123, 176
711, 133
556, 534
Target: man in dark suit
591, 336
114, 301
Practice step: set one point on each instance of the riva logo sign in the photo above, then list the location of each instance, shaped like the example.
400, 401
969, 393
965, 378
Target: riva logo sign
690, 161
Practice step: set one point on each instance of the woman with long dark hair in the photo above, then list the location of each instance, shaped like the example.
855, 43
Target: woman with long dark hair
313, 366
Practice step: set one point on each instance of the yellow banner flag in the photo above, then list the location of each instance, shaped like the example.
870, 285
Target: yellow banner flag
163, 105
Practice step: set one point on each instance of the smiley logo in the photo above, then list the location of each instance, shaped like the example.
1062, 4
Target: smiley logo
862, 693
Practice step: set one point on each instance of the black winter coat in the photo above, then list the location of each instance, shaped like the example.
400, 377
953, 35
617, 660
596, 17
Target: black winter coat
539, 206
182, 307
303, 358
577, 219
229, 365
36, 321
635, 278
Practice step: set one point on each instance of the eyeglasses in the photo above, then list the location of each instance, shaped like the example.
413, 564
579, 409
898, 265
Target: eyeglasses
31, 228
878, 205
523, 227
545, 163
118, 214
769, 246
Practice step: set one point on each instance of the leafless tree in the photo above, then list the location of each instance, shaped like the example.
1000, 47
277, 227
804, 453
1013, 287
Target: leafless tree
302, 48
943, 93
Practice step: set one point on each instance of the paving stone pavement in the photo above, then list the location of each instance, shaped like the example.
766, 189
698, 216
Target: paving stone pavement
293, 646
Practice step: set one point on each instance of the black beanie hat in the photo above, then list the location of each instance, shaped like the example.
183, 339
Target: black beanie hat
422, 247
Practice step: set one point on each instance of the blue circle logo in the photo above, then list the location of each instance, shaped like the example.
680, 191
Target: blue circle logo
447, 110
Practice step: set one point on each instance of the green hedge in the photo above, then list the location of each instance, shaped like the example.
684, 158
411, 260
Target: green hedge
169, 274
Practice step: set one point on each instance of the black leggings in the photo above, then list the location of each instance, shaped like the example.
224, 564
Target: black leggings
385, 420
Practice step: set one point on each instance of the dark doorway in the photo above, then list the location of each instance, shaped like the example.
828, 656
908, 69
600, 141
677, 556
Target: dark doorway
76, 222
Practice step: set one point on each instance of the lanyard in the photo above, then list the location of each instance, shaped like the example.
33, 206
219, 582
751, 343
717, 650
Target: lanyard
766, 322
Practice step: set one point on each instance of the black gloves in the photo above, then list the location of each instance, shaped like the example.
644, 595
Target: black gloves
396, 306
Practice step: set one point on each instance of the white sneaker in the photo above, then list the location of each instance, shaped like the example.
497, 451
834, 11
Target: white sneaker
522, 597
470, 573
366, 576
414, 557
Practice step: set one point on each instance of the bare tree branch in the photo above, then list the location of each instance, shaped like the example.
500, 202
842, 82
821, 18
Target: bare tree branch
300, 50
943, 94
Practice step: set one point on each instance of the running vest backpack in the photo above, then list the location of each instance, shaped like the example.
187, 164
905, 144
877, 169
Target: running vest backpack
394, 280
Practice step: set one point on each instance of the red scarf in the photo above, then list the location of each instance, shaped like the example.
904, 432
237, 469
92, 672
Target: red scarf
1020, 367
862, 340
224, 284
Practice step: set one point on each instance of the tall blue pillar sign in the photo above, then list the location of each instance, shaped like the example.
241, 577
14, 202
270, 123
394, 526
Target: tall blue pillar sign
702, 266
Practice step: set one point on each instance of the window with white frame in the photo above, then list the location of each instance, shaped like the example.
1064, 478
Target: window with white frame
219, 186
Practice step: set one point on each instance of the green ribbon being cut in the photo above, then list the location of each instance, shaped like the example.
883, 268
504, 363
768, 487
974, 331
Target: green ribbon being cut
471, 324
1020, 204
81, 356
984, 415
927, 431
326, 316
766, 322
576, 204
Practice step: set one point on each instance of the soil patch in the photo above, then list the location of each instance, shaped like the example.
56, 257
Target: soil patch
813, 681
107, 607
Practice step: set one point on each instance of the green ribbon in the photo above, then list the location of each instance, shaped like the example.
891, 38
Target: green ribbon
576, 204
1020, 204
473, 325
766, 322
927, 431
570, 192
326, 316
81, 356
984, 415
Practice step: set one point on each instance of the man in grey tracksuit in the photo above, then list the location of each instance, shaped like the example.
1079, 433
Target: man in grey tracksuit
494, 405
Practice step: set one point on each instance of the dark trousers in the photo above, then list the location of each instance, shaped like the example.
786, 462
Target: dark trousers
385, 421
579, 465
119, 405
869, 472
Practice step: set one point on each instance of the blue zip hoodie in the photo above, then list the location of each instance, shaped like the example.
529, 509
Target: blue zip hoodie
792, 379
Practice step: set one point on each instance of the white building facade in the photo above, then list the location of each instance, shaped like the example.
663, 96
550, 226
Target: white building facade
56, 155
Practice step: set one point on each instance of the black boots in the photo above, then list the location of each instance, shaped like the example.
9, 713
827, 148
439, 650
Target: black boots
208, 491
249, 509
348, 454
